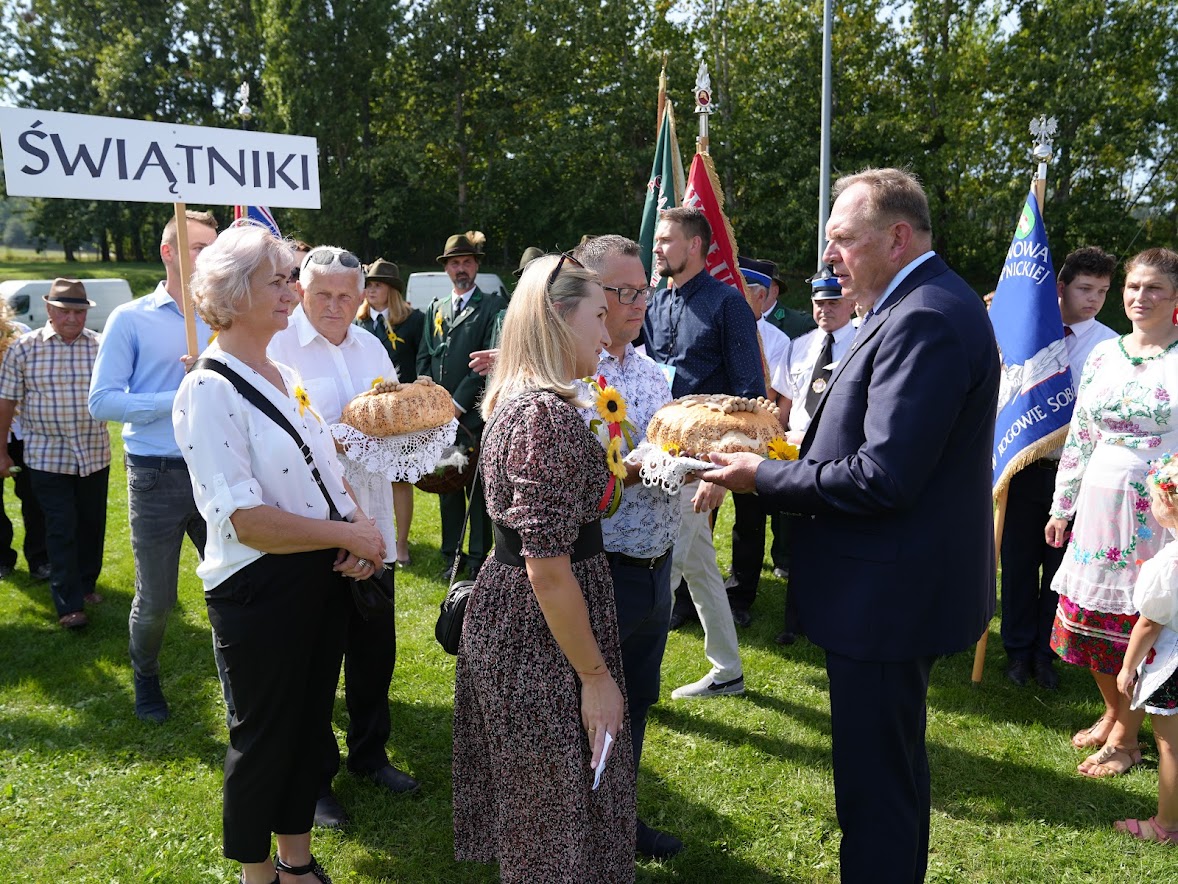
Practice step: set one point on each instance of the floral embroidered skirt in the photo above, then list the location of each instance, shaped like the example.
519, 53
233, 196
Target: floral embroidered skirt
1092, 639
1164, 700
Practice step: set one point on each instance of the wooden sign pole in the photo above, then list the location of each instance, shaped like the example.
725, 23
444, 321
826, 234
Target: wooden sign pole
185, 262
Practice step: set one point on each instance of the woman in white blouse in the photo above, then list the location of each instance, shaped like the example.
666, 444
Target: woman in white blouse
275, 563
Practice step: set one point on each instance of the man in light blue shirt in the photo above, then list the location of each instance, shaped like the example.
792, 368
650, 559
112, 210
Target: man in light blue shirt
135, 379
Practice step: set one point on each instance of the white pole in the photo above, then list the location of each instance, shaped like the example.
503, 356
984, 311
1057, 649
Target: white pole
824, 161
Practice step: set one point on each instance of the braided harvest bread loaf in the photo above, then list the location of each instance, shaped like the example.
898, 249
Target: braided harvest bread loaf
391, 408
726, 424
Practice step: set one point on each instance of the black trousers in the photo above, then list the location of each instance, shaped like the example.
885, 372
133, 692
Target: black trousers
881, 774
1028, 565
643, 599
479, 535
279, 623
35, 550
370, 653
748, 551
75, 531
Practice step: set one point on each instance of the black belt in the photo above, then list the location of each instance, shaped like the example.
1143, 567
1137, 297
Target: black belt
155, 463
631, 562
508, 544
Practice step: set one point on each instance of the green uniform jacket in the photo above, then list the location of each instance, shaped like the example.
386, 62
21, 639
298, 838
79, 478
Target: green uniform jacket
448, 341
793, 322
403, 351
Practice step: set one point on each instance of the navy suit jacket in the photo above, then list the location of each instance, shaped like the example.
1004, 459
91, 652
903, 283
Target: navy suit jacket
894, 553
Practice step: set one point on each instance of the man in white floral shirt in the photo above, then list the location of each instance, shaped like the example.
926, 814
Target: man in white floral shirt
638, 537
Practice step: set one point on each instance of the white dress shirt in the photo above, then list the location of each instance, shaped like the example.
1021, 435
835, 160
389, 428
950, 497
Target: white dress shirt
776, 346
332, 376
793, 375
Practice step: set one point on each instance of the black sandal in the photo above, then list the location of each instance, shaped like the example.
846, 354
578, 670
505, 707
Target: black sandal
312, 867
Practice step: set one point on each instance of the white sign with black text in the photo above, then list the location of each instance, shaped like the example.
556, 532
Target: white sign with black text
77, 156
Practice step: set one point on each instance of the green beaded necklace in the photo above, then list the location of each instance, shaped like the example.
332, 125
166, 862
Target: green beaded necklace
1137, 360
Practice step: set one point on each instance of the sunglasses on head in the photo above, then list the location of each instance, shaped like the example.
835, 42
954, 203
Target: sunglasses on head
564, 256
328, 254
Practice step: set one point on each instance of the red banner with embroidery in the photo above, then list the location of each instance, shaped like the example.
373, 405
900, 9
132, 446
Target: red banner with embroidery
703, 190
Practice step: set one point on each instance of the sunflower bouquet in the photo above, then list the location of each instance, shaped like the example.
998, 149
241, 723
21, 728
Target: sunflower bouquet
611, 427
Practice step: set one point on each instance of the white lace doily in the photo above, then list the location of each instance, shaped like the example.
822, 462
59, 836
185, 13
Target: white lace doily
662, 470
403, 458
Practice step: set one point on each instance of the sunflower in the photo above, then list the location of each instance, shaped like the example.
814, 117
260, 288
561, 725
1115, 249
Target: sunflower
611, 406
304, 401
395, 339
376, 382
672, 449
438, 323
613, 458
779, 449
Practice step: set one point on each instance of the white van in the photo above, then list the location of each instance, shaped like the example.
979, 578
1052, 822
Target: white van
424, 287
25, 298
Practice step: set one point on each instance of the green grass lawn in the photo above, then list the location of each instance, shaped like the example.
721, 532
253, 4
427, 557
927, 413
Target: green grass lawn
90, 794
141, 277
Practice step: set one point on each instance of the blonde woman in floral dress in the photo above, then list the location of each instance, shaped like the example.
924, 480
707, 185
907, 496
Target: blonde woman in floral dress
1123, 419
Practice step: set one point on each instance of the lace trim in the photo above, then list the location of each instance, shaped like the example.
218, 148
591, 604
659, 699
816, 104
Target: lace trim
403, 458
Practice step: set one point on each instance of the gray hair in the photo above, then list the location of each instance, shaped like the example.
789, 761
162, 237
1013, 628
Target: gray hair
892, 195
310, 271
594, 252
221, 280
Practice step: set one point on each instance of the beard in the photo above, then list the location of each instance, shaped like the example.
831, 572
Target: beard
664, 267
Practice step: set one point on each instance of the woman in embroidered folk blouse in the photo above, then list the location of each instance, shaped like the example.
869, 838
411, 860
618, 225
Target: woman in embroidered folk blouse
274, 564
1123, 418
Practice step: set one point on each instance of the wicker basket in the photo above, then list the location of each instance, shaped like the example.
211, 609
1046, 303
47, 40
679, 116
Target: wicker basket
449, 479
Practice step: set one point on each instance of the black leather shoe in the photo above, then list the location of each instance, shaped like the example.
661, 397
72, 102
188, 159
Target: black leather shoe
681, 615
330, 814
396, 781
741, 617
652, 844
1045, 675
473, 566
781, 573
444, 574
1019, 672
785, 637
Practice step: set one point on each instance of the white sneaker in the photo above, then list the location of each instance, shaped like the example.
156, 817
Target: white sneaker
709, 687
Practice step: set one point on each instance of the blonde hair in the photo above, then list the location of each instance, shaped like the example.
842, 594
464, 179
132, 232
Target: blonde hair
537, 349
221, 280
399, 308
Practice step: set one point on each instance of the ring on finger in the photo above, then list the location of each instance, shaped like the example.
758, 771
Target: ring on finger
362, 563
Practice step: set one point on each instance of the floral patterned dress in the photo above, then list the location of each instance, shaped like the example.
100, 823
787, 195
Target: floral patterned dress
1123, 419
522, 783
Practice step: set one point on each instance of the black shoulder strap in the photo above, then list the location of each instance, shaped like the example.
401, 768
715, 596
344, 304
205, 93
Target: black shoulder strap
255, 398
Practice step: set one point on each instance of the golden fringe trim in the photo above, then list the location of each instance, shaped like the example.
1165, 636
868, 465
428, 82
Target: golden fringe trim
1028, 456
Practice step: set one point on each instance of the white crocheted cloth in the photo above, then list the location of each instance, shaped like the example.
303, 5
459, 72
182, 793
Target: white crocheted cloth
403, 458
662, 470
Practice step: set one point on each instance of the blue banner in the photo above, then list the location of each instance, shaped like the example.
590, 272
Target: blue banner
1035, 398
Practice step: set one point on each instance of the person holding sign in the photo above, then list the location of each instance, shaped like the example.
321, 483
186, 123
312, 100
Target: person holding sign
135, 380
1122, 419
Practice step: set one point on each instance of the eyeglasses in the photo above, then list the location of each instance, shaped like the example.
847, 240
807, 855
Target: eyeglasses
628, 295
564, 256
328, 254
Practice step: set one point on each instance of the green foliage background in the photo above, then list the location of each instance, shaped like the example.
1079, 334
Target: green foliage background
535, 122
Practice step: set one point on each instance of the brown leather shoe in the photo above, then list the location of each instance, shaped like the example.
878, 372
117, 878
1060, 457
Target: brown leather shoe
73, 620
93, 598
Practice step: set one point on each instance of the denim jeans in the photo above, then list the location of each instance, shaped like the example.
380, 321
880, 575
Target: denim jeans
162, 511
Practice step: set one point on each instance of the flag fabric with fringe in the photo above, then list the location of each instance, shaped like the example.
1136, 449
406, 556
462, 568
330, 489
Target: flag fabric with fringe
664, 190
1036, 396
259, 214
704, 192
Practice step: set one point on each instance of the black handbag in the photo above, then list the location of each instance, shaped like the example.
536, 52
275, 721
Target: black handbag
373, 596
448, 629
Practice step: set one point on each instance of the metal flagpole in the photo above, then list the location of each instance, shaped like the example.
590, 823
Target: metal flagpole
704, 106
824, 158
1043, 131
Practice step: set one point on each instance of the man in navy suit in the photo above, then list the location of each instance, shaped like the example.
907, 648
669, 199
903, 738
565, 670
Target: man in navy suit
897, 464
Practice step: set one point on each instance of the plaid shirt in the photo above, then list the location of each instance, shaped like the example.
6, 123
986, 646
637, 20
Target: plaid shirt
50, 379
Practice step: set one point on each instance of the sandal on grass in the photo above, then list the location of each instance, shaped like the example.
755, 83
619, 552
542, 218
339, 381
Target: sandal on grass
1087, 739
311, 868
1111, 761
1156, 833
